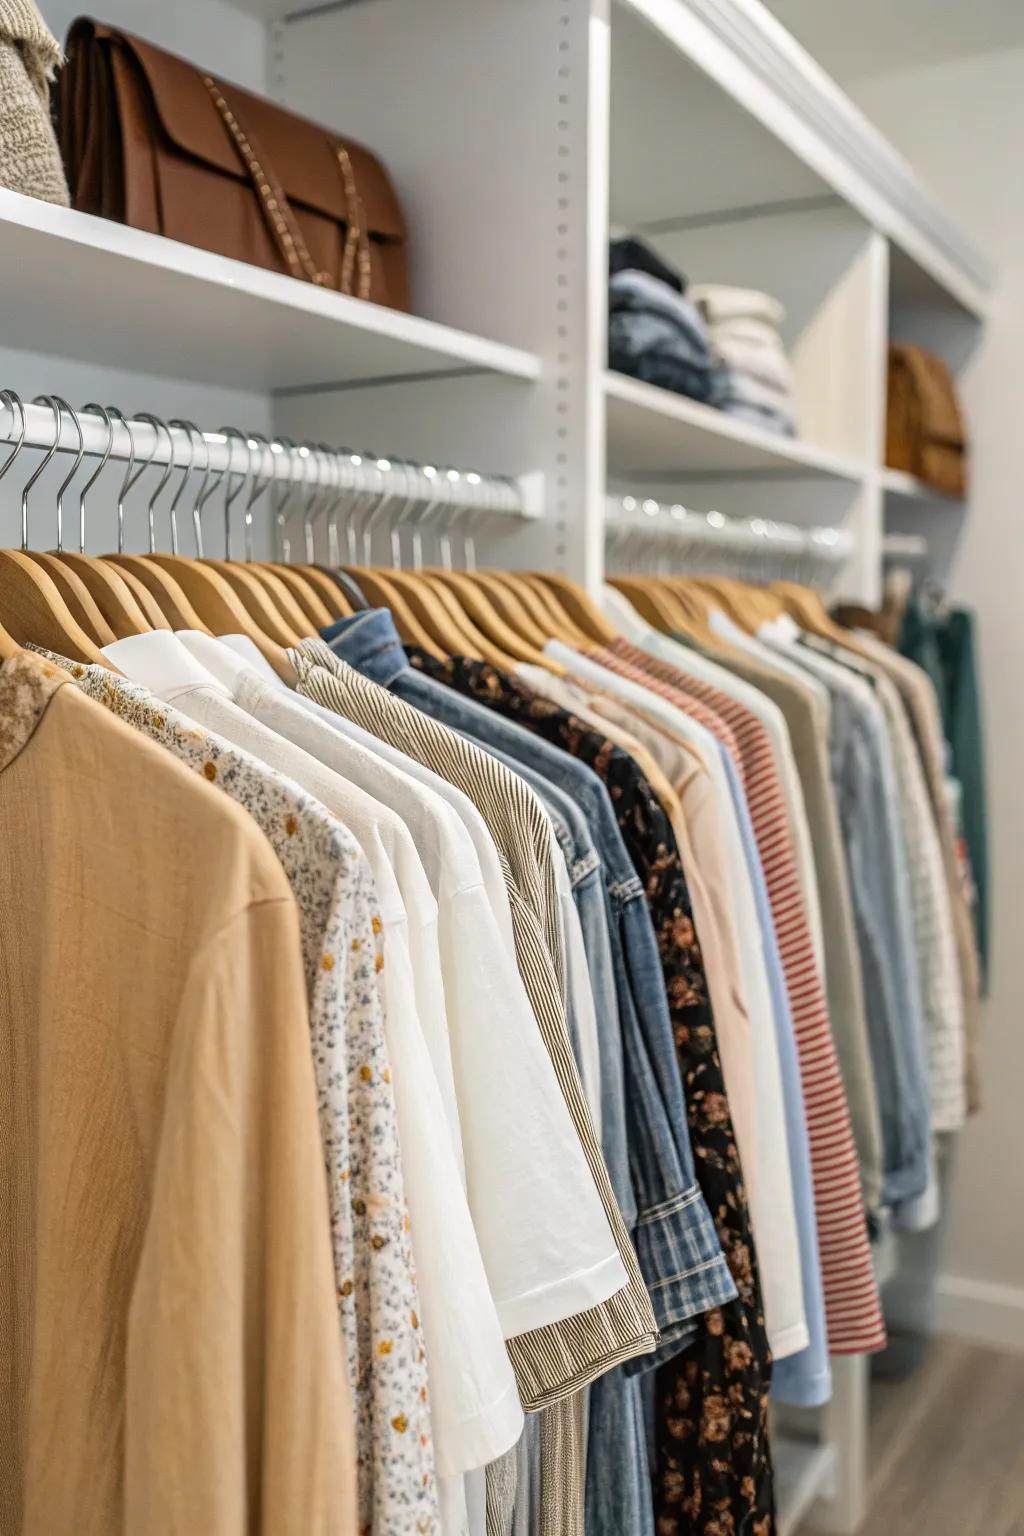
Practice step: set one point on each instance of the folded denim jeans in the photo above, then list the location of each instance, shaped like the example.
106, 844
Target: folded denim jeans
629, 253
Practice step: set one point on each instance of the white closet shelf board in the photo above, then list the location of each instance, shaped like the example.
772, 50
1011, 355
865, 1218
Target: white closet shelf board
897, 483
717, 112
803, 1473
85, 287
654, 435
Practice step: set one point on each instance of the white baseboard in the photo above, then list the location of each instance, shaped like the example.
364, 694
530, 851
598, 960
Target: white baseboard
978, 1310
962, 1308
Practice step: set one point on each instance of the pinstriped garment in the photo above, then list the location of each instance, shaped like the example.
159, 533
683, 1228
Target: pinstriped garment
938, 968
852, 1304
554, 1362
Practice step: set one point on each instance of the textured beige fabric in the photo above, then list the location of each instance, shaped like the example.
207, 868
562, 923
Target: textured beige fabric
29, 53
167, 1313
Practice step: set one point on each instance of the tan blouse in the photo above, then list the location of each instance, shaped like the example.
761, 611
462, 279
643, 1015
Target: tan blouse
167, 1314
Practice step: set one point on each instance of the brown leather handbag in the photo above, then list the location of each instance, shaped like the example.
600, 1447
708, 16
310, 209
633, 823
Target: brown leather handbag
151, 141
925, 433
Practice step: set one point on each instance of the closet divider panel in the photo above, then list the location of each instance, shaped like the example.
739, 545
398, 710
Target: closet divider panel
490, 118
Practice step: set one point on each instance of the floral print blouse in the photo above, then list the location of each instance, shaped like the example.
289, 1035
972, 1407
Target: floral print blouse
713, 1472
341, 940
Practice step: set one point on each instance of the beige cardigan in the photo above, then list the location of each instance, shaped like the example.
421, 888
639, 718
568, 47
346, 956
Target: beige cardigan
29, 53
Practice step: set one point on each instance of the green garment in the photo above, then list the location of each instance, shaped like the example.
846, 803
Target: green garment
943, 643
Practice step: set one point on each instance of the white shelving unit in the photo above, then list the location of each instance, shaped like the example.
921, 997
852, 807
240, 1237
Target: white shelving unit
517, 136
655, 435
897, 483
137, 297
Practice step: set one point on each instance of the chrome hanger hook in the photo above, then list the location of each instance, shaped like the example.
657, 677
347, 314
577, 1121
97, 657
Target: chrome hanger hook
12, 401
261, 481
284, 544
129, 476
234, 435
158, 426
192, 432
94, 409
206, 490
79, 456
58, 422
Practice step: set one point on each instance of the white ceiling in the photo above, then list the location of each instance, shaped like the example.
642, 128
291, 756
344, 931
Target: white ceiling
855, 38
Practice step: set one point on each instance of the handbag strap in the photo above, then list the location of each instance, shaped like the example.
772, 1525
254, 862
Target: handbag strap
277, 210
357, 241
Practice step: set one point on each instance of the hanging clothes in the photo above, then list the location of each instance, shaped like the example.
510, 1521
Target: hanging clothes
943, 643
163, 1210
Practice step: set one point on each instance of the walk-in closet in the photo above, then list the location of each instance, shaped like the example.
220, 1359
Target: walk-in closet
506, 908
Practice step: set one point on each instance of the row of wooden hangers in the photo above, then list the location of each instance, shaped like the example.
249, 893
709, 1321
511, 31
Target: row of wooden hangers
75, 603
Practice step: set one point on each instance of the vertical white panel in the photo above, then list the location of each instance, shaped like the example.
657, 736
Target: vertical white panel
483, 115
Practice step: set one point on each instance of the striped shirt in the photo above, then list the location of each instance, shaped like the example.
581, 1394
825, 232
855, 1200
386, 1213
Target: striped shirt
555, 1361
852, 1304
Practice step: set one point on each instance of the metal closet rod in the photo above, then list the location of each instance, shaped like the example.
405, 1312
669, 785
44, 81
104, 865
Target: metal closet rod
633, 518
306, 464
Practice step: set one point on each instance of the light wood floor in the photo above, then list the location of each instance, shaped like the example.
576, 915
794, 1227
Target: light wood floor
947, 1447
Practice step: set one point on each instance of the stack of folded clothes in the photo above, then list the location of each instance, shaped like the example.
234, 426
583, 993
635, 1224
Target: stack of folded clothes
750, 375
655, 332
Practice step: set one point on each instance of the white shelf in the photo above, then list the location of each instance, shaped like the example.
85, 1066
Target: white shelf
84, 287
897, 483
662, 436
717, 112
803, 1473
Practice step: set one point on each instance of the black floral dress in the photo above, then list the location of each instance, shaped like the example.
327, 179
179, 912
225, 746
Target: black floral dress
713, 1471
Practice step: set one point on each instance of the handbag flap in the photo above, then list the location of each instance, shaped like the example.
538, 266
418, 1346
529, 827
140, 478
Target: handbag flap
931, 382
302, 155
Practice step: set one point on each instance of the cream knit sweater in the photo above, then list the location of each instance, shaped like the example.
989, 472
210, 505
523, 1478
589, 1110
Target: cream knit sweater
29, 54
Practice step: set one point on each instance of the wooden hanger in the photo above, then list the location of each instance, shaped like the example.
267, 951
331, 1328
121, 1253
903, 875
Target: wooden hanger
379, 591
510, 607
308, 593
76, 594
8, 646
145, 599
164, 590
252, 592
108, 590
807, 608
653, 601
522, 597
328, 587
34, 610
447, 619
495, 641
578, 605
557, 622
31, 603
220, 609
111, 592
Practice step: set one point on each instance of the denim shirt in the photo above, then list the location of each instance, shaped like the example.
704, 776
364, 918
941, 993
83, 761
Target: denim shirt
730, 1479
679, 1252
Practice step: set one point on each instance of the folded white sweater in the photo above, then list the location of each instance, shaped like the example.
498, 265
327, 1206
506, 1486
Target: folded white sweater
720, 303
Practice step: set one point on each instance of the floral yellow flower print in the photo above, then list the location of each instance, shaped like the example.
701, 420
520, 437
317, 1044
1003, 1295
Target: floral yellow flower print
375, 1277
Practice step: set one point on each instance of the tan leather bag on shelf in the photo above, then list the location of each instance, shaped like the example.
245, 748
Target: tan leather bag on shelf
151, 141
925, 432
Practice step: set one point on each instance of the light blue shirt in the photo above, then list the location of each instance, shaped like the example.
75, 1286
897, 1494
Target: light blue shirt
804, 1379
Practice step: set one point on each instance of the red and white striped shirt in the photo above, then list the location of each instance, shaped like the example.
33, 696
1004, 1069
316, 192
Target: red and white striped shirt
852, 1306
